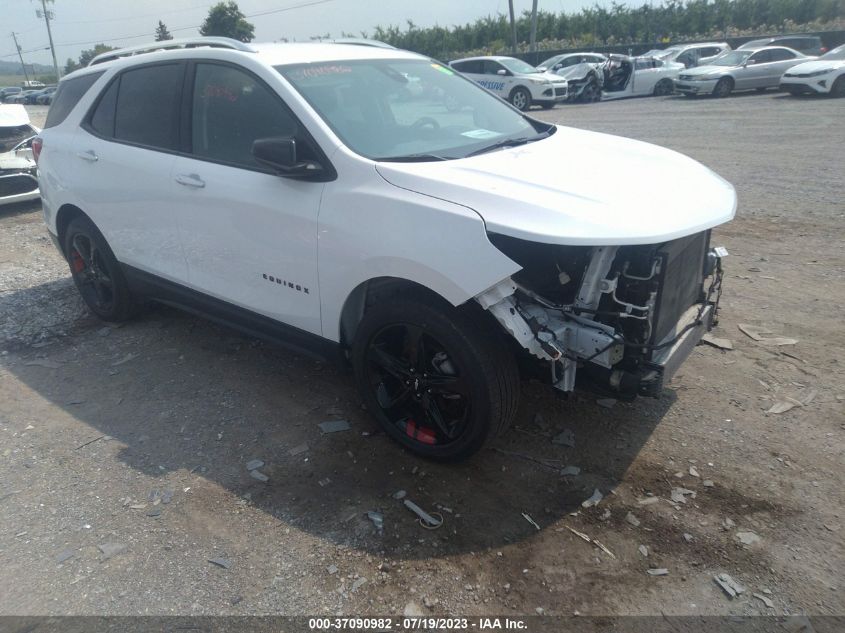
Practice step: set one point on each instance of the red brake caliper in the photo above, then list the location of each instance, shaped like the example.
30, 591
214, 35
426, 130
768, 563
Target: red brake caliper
78, 262
420, 433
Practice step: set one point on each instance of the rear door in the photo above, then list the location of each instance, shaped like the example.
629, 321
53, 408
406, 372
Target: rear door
250, 235
782, 59
122, 162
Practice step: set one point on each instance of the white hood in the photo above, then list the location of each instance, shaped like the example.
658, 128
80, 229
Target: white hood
13, 115
815, 66
578, 187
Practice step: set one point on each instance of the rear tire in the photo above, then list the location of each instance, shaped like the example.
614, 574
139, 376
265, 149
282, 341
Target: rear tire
96, 272
438, 381
664, 87
724, 87
520, 98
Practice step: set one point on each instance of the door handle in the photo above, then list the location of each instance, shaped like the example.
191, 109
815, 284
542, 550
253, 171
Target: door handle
190, 180
89, 155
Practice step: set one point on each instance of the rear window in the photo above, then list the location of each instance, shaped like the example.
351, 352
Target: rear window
67, 95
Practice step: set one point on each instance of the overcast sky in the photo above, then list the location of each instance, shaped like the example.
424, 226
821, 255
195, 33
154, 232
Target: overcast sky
80, 24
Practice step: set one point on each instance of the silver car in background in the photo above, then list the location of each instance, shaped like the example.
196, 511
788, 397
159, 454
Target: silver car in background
752, 69
691, 55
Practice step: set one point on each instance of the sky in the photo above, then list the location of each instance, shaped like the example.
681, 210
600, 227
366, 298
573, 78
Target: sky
79, 24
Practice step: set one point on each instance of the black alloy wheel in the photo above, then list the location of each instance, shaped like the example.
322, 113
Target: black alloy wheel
418, 387
437, 380
96, 272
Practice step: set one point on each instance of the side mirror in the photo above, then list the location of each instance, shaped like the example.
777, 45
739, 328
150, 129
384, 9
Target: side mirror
502, 72
279, 153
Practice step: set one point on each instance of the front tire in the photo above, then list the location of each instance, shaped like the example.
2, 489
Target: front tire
96, 272
520, 98
439, 382
723, 88
838, 87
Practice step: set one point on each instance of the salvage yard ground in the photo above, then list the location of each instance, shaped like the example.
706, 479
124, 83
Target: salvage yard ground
125, 449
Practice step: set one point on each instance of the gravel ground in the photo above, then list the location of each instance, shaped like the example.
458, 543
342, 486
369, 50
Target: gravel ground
124, 449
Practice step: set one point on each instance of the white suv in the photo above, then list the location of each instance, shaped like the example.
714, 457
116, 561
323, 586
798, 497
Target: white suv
304, 193
517, 82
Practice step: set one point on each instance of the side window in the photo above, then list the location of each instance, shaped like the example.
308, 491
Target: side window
492, 68
594, 59
147, 106
68, 94
230, 110
781, 54
472, 67
102, 119
761, 57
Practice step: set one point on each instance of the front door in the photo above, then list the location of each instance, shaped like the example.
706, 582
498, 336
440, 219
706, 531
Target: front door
250, 235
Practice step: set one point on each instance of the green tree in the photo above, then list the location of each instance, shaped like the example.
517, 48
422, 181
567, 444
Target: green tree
226, 20
162, 33
87, 55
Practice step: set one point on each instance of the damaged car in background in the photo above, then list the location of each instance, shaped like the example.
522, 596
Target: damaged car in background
443, 252
18, 176
582, 72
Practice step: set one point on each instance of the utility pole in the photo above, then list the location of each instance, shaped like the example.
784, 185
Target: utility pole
46, 17
532, 40
20, 55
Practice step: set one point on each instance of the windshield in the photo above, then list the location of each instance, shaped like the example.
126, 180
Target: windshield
836, 53
408, 109
518, 66
731, 58
551, 61
665, 53
11, 136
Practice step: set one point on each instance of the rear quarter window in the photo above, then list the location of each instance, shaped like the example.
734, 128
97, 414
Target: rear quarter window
67, 95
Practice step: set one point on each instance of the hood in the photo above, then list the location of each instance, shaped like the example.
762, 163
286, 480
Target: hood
707, 70
576, 71
815, 66
579, 188
553, 77
13, 115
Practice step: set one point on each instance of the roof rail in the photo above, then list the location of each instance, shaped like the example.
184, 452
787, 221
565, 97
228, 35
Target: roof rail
190, 42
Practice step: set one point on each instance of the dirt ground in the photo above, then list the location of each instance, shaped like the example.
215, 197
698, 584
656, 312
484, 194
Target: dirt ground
124, 449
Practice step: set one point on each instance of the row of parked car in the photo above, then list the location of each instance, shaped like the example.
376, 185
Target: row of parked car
16, 94
797, 64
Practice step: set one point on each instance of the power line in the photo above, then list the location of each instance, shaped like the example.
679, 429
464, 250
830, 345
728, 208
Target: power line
135, 17
196, 26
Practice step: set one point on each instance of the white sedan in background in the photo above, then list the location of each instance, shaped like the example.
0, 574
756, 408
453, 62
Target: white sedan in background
515, 81
826, 75
638, 77
740, 70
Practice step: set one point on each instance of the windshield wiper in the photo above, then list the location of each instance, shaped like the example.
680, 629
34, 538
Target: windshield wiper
411, 158
508, 142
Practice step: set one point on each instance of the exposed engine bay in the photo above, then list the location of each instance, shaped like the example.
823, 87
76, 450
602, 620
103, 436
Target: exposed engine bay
619, 318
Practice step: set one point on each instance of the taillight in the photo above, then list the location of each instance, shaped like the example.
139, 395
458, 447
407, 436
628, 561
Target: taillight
37, 145
823, 50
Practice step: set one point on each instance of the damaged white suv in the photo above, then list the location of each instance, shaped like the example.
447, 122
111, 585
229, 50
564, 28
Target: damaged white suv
376, 203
